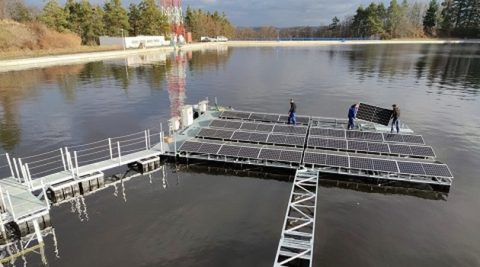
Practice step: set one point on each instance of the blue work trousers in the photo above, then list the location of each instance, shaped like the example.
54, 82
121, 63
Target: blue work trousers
351, 123
396, 124
292, 119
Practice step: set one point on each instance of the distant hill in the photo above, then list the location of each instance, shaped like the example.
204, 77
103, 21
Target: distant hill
16, 36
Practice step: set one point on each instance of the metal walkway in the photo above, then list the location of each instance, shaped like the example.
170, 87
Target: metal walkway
296, 242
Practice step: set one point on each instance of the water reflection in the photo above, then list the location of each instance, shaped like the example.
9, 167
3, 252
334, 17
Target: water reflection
449, 69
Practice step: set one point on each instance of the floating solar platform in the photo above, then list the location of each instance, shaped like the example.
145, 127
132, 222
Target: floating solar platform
265, 138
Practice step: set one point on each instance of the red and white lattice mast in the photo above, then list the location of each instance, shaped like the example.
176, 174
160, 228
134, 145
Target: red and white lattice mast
173, 10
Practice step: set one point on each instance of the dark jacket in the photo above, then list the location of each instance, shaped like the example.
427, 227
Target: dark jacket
293, 108
396, 113
352, 112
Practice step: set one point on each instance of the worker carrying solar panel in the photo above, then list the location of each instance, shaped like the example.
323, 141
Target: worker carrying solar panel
395, 118
352, 115
291, 112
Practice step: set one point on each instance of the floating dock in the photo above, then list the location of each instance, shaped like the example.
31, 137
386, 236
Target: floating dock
315, 146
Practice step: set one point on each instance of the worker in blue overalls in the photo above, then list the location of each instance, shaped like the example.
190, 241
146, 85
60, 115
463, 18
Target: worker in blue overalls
291, 112
352, 115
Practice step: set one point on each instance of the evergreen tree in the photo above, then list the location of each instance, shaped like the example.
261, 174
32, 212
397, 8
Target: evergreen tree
21, 13
115, 19
133, 19
394, 19
85, 20
54, 16
430, 18
152, 21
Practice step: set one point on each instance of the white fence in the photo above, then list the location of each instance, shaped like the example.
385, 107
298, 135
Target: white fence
134, 42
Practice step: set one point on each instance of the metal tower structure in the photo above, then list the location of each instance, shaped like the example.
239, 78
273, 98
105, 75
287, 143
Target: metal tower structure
173, 10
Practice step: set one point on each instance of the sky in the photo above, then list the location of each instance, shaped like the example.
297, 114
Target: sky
280, 13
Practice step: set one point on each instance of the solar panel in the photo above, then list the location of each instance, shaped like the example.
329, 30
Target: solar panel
314, 158
265, 127
223, 134
282, 128
317, 131
338, 144
228, 114
241, 136
249, 152
243, 115
270, 154
317, 142
354, 135
384, 165
410, 167
249, 126
374, 114
361, 163
227, 150
400, 149
295, 140
271, 117
436, 170
415, 139
283, 118
257, 116
357, 145
207, 132
393, 137
378, 147
337, 161
422, 151
233, 125
208, 148
336, 133
258, 137
276, 139
303, 119
372, 136
189, 146
291, 156
217, 123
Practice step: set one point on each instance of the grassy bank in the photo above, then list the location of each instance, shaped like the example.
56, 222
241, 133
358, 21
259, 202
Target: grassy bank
27, 53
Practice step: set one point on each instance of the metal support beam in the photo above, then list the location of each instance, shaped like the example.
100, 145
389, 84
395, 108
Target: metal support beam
296, 242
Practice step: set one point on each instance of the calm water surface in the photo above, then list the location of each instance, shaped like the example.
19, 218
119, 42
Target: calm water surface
201, 218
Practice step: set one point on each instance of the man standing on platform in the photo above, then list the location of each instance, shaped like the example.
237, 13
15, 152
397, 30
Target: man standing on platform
352, 115
291, 112
395, 118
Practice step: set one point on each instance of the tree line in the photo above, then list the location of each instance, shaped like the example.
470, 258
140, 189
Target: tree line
450, 18
90, 21
201, 23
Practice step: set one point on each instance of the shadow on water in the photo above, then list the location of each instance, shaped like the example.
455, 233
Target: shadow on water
326, 180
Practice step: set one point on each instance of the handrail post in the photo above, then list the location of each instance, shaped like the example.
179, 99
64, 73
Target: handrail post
63, 160
161, 131
10, 164
76, 162
16, 168
37, 231
119, 152
4, 204
161, 142
29, 175
149, 144
110, 147
45, 194
22, 171
146, 140
175, 144
11, 206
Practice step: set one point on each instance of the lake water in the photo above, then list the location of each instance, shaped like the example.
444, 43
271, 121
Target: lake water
215, 218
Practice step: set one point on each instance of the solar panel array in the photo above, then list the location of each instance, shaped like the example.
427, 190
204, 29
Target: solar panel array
259, 127
269, 153
374, 114
369, 136
375, 164
370, 147
266, 117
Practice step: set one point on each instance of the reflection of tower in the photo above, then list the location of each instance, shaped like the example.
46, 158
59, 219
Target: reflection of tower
173, 10
176, 83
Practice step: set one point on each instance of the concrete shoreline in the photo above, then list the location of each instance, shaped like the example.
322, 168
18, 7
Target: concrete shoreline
47, 61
